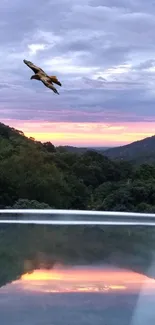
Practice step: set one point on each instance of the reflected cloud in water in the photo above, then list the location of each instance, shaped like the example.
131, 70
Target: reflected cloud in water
81, 279
74, 295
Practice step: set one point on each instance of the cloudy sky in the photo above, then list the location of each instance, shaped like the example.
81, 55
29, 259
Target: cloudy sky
102, 51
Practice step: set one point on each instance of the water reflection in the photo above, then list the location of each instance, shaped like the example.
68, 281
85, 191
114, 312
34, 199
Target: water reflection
84, 279
90, 294
68, 275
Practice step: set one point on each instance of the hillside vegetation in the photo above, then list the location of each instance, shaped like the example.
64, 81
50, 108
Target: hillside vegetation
33, 174
138, 152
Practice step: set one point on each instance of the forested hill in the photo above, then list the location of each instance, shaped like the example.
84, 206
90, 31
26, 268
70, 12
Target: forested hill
138, 152
33, 174
142, 151
81, 150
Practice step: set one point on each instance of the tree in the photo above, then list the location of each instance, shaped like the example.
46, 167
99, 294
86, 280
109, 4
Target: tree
29, 204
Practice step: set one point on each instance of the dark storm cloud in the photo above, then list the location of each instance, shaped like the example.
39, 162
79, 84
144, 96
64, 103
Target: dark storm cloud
102, 51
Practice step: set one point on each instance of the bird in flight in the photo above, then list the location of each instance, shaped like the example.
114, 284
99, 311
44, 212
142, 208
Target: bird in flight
42, 76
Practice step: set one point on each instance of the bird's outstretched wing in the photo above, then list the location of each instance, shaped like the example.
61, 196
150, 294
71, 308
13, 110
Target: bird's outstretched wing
49, 85
55, 80
33, 67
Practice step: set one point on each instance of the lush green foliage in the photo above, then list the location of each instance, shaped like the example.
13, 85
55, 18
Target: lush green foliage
142, 151
33, 174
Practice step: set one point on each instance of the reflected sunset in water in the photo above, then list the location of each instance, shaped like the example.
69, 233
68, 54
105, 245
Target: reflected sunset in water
84, 279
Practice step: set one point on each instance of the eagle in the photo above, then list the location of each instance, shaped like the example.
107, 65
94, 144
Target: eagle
42, 76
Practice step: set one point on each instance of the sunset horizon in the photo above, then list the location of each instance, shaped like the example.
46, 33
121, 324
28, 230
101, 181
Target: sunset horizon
83, 134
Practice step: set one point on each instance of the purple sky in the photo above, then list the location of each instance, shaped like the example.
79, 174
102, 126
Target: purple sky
102, 51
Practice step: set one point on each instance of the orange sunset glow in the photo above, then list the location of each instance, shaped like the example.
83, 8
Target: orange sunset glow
84, 280
84, 134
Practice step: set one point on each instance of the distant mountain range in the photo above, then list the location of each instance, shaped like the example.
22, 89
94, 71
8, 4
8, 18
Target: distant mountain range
142, 151
81, 150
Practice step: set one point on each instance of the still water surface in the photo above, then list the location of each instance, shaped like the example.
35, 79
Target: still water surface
76, 275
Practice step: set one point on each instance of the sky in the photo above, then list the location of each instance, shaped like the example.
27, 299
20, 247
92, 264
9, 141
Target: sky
103, 53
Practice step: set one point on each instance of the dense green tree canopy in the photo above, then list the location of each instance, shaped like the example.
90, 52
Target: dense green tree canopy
32, 171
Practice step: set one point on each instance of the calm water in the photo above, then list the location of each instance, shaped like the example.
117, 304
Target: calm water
76, 275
